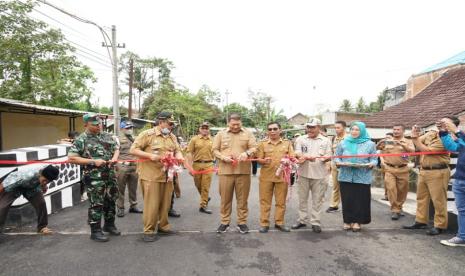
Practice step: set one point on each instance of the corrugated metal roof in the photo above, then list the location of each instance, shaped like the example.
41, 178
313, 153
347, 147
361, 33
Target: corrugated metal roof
457, 59
39, 107
51, 109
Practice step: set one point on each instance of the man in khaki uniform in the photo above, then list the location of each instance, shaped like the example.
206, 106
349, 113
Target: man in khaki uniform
154, 144
432, 182
313, 174
270, 152
126, 175
200, 156
340, 128
396, 171
232, 147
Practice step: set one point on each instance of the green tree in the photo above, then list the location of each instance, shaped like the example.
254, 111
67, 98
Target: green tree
346, 106
360, 106
261, 108
380, 102
247, 119
37, 64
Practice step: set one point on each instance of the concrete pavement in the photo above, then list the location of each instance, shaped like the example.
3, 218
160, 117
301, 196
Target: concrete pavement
382, 248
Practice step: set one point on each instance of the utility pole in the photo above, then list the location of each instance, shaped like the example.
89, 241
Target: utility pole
131, 84
114, 46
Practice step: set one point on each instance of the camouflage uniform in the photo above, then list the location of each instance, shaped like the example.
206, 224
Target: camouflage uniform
101, 185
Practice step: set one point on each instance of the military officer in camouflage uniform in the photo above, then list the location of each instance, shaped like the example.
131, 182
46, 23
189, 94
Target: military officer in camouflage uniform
97, 151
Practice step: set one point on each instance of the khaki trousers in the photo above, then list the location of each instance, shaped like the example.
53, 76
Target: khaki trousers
316, 188
126, 176
266, 191
336, 193
202, 182
230, 183
432, 185
396, 183
157, 201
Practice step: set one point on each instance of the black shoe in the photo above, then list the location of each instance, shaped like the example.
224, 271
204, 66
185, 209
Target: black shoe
135, 210
172, 213
205, 210
223, 228
209, 198
298, 225
243, 229
434, 231
110, 227
385, 198
120, 212
395, 216
166, 232
282, 228
97, 234
416, 225
264, 229
316, 228
150, 237
332, 209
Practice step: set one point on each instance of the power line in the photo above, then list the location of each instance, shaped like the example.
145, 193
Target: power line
96, 54
54, 19
91, 52
104, 33
83, 54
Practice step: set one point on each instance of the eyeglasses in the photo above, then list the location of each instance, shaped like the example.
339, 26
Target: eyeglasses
273, 129
311, 126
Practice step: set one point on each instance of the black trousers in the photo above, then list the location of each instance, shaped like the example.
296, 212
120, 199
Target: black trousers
37, 201
254, 167
356, 202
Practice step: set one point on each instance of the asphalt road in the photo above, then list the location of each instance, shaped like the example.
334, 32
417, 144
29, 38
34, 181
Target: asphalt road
382, 248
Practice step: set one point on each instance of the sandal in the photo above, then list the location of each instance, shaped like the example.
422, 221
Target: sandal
356, 228
45, 231
347, 226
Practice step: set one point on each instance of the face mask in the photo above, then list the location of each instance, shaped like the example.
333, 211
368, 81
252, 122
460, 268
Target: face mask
165, 131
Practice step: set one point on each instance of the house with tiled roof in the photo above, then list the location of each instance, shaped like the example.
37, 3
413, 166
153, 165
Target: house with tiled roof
298, 119
443, 97
416, 83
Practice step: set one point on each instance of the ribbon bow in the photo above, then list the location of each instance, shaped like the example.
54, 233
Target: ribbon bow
170, 165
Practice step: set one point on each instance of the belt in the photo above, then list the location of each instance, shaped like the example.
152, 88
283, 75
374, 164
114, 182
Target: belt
128, 163
396, 166
203, 161
435, 167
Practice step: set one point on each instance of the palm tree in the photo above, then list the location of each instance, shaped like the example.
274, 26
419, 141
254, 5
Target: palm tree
346, 106
141, 82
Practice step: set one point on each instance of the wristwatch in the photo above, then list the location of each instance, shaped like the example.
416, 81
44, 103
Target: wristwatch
92, 163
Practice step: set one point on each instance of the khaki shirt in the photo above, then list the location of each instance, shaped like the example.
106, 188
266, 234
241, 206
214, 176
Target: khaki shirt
125, 145
152, 141
276, 152
231, 144
319, 146
201, 148
396, 148
336, 141
434, 143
